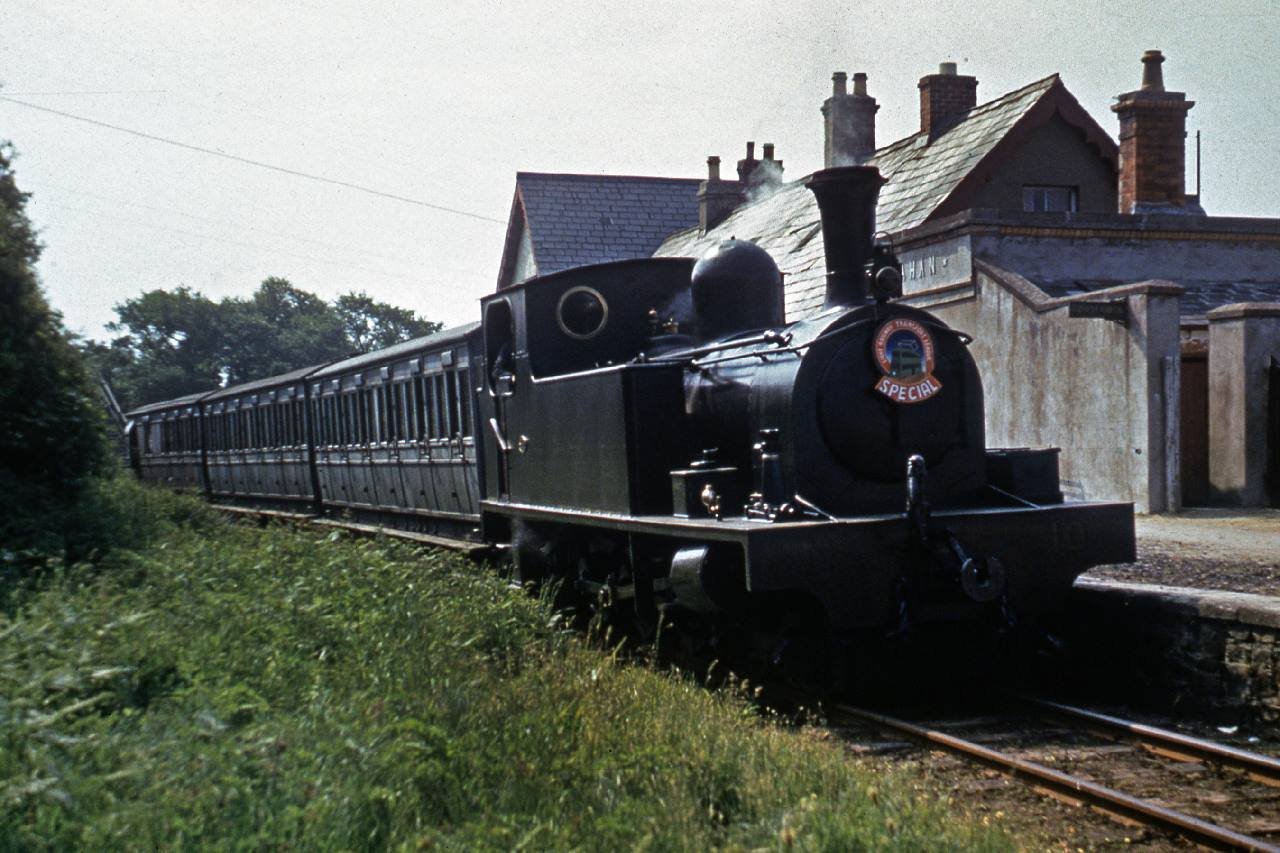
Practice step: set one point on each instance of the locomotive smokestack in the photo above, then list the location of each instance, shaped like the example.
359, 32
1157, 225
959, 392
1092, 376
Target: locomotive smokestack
847, 201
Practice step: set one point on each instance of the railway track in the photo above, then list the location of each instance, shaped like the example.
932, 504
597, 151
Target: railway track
1241, 788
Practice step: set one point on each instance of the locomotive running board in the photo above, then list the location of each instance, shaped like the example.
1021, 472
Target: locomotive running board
857, 561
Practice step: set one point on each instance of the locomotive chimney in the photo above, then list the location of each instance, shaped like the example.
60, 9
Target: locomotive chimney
847, 201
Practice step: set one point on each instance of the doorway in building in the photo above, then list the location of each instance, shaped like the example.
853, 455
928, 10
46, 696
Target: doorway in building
1272, 480
1194, 429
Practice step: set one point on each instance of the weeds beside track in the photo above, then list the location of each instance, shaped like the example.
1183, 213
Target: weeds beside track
236, 686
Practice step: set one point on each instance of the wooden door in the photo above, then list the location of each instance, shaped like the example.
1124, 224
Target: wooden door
1194, 412
1273, 433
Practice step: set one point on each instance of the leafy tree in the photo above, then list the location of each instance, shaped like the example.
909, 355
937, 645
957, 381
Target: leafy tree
371, 325
177, 335
180, 342
277, 329
51, 439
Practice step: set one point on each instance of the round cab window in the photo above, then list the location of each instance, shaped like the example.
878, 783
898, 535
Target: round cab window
582, 313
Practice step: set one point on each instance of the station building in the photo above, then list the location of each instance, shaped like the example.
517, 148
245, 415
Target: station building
1112, 316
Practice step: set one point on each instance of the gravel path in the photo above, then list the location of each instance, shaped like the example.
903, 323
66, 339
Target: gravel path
1229, 549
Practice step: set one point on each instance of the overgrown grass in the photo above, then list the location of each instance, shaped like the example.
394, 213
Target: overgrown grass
237, 687
110, 513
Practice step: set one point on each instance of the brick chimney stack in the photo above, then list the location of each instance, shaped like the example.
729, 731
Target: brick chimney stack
1153, 132
849, 122
716, 198
945, 98
752, 172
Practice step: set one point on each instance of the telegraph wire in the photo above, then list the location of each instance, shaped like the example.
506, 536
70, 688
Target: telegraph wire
260, 164
40, 188
103, 92
262, 248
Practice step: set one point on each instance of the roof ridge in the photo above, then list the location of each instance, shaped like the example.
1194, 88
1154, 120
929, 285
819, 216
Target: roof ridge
603, 177
977, 110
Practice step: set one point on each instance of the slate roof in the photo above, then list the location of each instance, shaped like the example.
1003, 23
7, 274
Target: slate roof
1199, 298
587, 219
921, 175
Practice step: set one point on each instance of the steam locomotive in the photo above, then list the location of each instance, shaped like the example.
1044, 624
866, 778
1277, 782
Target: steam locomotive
653, 434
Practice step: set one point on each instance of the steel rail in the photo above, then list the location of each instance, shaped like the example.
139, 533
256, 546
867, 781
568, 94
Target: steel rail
1064, 785
1261, 768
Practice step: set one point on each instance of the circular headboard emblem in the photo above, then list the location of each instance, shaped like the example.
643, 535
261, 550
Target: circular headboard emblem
582, 312
904, 351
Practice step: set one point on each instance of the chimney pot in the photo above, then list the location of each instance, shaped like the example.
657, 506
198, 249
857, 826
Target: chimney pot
838, 84
716, 198
849, 124
751, 150
1152, 76
947, 68
768, 151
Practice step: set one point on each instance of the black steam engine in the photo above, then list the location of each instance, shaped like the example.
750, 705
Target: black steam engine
663, 441
653, 434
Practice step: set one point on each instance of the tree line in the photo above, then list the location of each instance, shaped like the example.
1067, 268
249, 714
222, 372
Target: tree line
177, 342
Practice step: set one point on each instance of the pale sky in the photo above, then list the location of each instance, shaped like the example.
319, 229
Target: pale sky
443, 102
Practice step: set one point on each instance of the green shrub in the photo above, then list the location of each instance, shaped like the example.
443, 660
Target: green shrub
245, 688
51, 439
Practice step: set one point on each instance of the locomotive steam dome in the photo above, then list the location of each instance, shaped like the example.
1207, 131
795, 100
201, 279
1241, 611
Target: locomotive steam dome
736, 287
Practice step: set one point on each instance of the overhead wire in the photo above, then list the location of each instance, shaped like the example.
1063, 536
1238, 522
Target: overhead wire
263, 248
251, 162
42, 186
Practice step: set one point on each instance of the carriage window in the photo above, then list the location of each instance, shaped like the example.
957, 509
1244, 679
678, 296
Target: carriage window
441, 423
403, 426
363, 407
428, 407
393, 414
419, 407
451, 383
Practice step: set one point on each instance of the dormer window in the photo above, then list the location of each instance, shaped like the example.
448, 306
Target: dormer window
1041, 199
